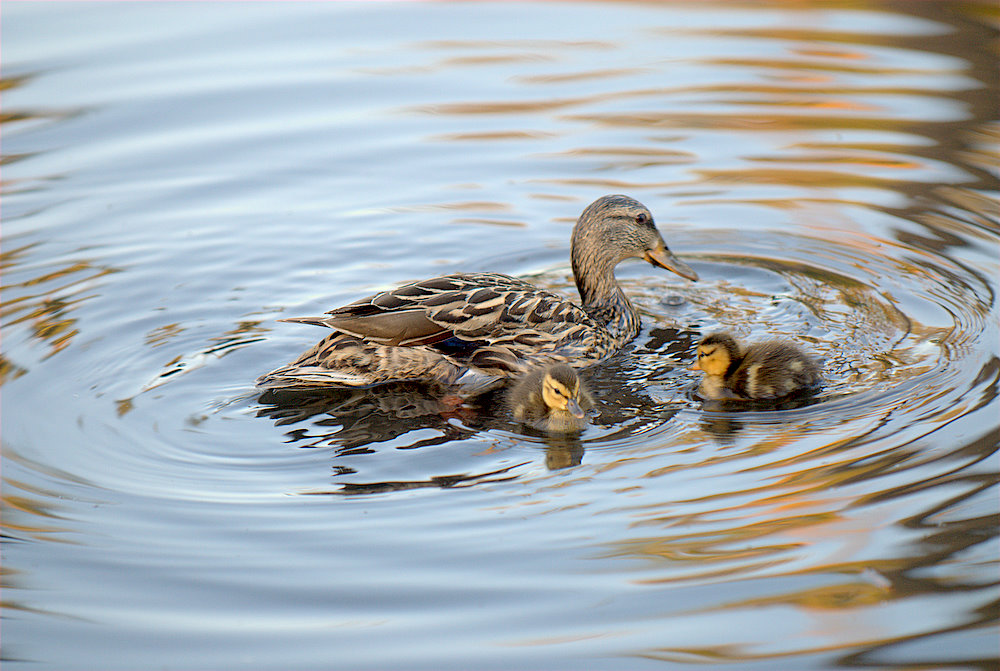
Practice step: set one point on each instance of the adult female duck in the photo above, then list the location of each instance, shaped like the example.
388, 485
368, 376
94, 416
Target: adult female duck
475, 329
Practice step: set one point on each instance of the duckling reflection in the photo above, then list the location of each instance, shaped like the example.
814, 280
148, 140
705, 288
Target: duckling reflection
763, 371
551, 399
563, 450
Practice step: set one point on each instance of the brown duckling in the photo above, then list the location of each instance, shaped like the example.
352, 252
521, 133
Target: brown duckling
770, 369
551, 399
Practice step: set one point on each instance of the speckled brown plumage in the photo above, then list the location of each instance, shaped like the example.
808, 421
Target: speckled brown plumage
470, 329
531, 405
765, 370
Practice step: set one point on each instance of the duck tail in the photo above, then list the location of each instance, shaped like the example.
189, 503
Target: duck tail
312, 321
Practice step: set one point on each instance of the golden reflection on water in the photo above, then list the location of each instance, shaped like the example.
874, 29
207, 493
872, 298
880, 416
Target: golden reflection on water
163, 334
48, 311
815, 509
39, 506
17, 118
504, 135
830, 80
45, 300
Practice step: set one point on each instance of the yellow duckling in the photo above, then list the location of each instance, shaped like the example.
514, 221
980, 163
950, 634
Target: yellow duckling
551, 399
765, 370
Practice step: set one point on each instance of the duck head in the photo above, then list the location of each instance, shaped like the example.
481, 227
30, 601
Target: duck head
615, 228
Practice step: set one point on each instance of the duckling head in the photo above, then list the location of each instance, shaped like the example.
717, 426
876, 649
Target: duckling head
716, 354
561, 390
615, 228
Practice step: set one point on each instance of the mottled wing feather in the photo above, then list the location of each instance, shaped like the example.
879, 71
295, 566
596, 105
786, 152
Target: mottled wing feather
473, 307
402, 328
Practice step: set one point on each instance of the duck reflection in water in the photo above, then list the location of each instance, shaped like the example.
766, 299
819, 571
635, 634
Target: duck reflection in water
353, 421
354, 418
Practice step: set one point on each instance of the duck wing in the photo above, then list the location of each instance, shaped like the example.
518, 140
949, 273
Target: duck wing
473, 307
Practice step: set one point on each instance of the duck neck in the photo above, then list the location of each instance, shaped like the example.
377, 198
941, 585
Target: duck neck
603, 299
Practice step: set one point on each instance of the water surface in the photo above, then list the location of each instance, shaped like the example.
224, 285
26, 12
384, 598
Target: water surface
177, 177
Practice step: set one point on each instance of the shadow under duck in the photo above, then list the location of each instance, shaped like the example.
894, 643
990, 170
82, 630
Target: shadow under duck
765, 370
477, 329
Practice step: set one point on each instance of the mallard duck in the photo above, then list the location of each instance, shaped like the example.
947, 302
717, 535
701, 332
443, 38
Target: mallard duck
765, 370
474, 329
551, 398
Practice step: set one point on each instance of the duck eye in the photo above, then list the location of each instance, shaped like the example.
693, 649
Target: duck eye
641, 218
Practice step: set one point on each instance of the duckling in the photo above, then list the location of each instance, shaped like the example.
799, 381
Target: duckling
469, 329
551, 399
765, 370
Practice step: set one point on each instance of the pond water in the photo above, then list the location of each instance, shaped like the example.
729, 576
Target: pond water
177, 177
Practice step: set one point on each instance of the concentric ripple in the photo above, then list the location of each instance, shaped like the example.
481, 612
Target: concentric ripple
177, 177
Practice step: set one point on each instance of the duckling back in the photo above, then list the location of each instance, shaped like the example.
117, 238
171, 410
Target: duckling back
772, 369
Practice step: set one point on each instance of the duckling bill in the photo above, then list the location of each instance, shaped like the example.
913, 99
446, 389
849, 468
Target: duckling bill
765, 370
551, 399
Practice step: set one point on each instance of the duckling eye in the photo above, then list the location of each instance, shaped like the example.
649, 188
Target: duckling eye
641, 218
558, 391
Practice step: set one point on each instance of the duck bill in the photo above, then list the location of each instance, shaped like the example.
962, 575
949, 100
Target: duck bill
573, 408
694, 366
663, 258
